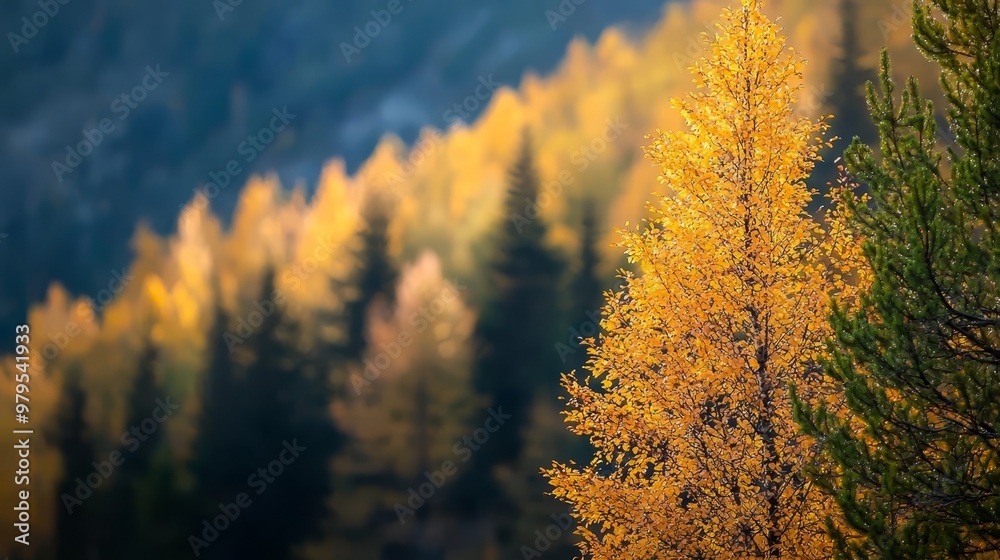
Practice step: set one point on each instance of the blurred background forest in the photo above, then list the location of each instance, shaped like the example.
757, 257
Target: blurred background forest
380, 300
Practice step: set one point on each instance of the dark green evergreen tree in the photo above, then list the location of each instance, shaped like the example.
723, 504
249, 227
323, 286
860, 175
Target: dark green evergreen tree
132, 523
375, 275
517, 332
289, 403
341, 339
516, 340
146, 395
145, 505
76, 527
270, 435
586, 294
221, 458
912, 460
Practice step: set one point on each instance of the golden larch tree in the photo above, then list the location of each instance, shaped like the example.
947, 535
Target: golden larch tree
697, 455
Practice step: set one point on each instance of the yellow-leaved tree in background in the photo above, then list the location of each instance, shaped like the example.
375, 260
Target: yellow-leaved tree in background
697, 455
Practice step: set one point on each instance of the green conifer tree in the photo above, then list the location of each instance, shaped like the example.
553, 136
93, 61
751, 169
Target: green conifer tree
220, 455
586, 293
516, 339
375, 275
912, 454
518, 329
76, 530
270, 437
131, 526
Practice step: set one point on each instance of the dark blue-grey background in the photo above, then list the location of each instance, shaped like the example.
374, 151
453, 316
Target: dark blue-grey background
225, 77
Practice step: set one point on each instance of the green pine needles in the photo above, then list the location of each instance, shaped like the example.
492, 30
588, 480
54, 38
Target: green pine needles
913, 458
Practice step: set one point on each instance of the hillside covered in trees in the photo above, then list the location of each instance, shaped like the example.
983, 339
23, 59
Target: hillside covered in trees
371, 365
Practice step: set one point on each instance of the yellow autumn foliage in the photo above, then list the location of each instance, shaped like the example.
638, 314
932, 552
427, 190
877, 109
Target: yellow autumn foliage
697, 455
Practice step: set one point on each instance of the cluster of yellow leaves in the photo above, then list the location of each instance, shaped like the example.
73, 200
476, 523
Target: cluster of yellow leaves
697, 453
